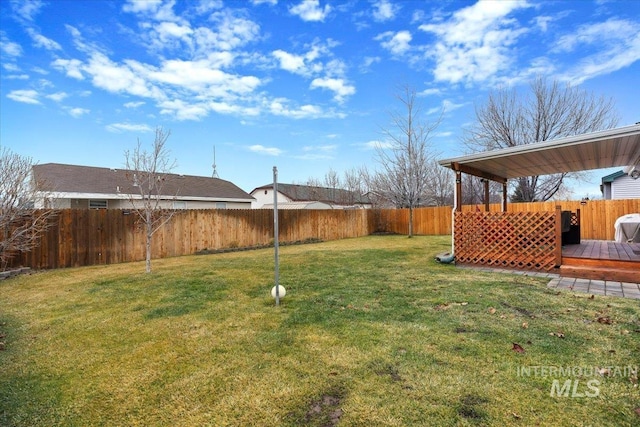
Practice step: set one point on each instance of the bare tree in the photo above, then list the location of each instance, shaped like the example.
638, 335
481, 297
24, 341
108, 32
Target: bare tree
21, 223
550, 111
440, 190
149, 173
332, 179
473, 191
405, 167
353, 183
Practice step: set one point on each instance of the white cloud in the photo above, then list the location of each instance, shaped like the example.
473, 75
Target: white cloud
279, 107
41, 41
322, 148
137, 6
11, 67
542, 22
27, 96
307, 64
431, 91
269, 2
616, 43
128, 127
26, 10
182, 110
376, 145
133, 104
310, 10
337, 86
154, 9
77, 112
9, 48
260, 149
72, 67
171, 29
224, 31
384, 10
473, 45
58, 96
443, 134
114, 77
397, 43
290, 62
206, 6
447, 106
368, 62
17, 77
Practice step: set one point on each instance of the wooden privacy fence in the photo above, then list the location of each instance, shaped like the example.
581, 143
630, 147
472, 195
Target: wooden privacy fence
597, 217
89, 237
80, 237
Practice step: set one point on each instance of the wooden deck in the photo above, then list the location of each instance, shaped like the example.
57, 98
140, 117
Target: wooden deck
602, 260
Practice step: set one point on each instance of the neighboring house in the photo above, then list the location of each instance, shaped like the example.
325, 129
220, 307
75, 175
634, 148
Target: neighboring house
86, 187
292, 196
620, 185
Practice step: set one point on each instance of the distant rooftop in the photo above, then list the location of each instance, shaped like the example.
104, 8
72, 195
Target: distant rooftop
88, 179
303, 193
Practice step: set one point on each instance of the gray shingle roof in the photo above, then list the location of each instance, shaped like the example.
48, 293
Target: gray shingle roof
300, 193
88, 179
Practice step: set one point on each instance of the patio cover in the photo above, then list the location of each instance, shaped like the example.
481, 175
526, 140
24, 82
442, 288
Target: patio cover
597, 150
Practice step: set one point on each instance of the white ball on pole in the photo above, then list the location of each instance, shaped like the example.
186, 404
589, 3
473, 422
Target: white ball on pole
281, 291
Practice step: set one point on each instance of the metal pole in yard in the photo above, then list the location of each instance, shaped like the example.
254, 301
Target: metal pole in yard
275, 233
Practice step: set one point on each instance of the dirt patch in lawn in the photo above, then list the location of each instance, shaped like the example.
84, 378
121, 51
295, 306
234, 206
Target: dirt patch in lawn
325, 411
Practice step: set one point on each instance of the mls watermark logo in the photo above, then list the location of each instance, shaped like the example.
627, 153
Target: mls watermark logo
576, 381
573, 386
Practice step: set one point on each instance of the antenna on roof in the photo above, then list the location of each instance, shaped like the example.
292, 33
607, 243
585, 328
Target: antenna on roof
215, 171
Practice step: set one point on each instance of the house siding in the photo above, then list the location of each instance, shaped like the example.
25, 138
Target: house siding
264, 196
625, 187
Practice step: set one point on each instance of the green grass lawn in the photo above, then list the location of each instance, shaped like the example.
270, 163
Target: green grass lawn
372, 332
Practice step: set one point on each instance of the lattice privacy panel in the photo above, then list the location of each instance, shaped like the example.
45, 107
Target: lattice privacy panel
519, 240
575, 219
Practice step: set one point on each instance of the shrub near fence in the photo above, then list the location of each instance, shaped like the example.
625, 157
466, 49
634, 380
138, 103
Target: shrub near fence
92, 237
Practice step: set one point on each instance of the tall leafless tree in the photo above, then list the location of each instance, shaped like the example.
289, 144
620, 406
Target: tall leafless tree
404, 174
21, 224
440, 190
149, 172
549, 111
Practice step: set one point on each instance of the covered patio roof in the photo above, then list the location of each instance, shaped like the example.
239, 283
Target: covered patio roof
597, 150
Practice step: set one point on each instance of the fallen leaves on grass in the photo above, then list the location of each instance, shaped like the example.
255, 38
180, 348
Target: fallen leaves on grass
525, 325
605, 320
448, 305
517, 348
492, 310
637, 411
557, 334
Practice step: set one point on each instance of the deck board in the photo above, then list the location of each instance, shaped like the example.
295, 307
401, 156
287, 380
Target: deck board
602, 260
601, 249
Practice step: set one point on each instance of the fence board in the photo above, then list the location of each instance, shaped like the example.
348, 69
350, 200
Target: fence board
88, 237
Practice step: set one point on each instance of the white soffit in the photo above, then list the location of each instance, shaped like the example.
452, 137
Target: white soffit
604, 149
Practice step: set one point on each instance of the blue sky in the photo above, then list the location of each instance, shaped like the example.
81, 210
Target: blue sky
304, 85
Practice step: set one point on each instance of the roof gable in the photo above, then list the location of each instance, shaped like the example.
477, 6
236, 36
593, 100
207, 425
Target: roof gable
64, 178
612, 177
